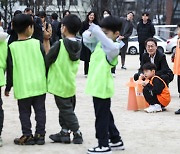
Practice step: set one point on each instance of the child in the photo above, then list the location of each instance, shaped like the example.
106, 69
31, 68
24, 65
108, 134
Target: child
26, 67
155, 89
176, 69
3, 57
63, 59
100, 81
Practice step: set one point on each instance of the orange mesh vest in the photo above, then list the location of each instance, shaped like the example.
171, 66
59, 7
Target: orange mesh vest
164, 98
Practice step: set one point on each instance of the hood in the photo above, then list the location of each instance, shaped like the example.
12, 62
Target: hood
73, 48
3, 35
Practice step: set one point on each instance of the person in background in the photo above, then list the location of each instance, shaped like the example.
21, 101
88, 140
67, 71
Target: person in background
85, 52
54, 24
106, 13
47, 31
176, 68
13, 35
38, 33
145, 30
66, 13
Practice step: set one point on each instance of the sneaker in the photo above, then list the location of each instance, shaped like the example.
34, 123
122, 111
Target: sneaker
123, 68
114, 75
25, 140
39, 139
61, 137
150, 109
1, 142
177, 112
158, 108
117, 146
99, 150
77, 138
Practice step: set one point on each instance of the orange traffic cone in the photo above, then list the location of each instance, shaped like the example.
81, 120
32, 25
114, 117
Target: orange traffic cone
132, 102
141, 102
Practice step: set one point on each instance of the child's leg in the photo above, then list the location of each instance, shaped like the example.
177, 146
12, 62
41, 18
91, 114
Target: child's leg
67, 117
178, 81
40, 114
102, 113
24, 106
1, 114
113, 131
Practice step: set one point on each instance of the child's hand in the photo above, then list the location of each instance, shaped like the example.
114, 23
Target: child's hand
6, 93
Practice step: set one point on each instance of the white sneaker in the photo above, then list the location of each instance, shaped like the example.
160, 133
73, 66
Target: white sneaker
117, 146
150, 109
158, 108
114, 75
1, 142
99, 150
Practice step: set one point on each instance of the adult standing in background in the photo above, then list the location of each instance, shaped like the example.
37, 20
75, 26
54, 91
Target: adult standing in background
47, 31
55, 23
145, 30
85, 52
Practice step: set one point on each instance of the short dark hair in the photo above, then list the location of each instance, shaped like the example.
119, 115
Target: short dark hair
54, 16
17, 12
64, 13
131, 13
28, 9
145, 13
152, 40
149, 66
108, 11
42, 14
21, 22
72, 23
112, 23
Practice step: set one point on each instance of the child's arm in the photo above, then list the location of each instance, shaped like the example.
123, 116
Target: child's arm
52, 54
9, 76
111, 48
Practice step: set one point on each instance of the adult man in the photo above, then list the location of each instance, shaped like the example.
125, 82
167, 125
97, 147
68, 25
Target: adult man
145, 30
158, 58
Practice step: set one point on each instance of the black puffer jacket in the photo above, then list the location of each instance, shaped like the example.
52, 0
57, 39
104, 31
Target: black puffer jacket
145, 31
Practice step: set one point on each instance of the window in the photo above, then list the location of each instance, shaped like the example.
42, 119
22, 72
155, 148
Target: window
73, 2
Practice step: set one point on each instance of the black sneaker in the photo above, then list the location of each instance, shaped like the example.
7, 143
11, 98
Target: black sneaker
39, 139
77, 138
61, 137
177, 112
24, 140
123, 68
99, 150
117, 146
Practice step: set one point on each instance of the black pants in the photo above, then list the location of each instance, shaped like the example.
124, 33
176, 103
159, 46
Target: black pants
104, 124
123, 53
178, 81
38, 103
1, 114
113, 70
141, 51
151, 99
67, 117
86, 67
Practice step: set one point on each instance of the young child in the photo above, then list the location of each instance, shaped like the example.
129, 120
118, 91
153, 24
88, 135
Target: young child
63, 62
26, 71
100, 81
176, 69
3, 57
155, 89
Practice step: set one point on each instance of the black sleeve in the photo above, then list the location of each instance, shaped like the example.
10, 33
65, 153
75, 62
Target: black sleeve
129, 32
152, 30
52, 54
158, 86
143, 61
9, 76
164, 66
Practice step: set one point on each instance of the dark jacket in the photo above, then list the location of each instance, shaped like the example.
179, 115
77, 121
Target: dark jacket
13, 35
85, 52
163, 69
38, 33
54, 37
145, 31
127, 29
73, 48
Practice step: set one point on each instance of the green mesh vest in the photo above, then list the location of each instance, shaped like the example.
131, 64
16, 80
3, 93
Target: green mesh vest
29, 73
62, 74
3, 57
100, 82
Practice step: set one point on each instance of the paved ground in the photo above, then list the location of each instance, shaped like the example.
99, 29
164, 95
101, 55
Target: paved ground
142, 133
